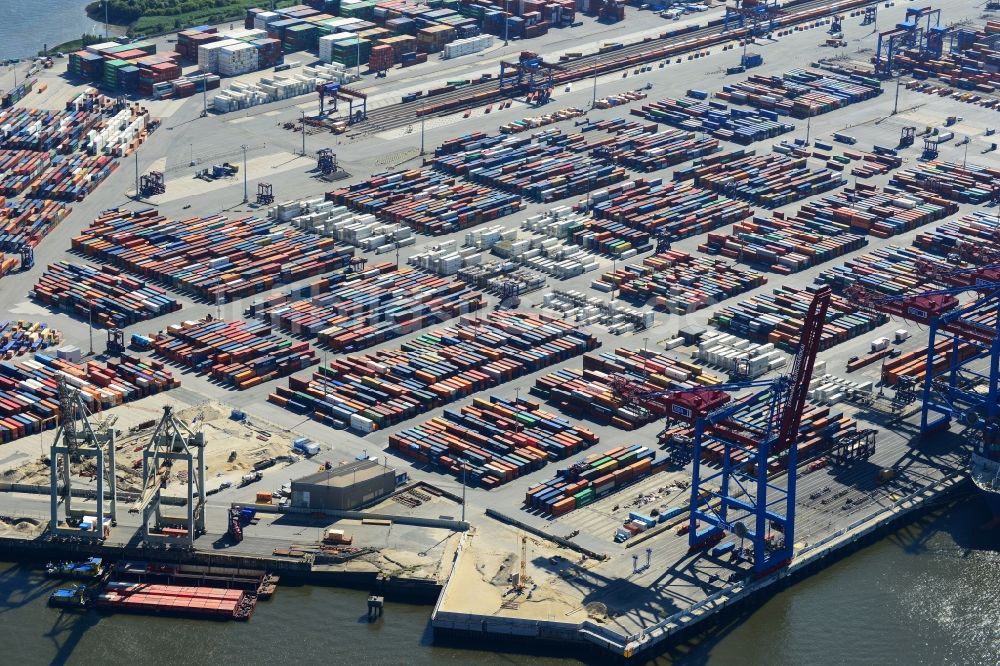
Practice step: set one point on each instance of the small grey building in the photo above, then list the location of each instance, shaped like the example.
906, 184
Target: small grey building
344, 488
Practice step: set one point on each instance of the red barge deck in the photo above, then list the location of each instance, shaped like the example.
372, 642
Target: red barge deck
177, 600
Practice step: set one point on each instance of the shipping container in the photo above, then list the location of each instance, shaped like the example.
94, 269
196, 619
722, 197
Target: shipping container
215, 258
438, 367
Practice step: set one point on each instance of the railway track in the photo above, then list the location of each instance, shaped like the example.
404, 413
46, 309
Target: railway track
595, 64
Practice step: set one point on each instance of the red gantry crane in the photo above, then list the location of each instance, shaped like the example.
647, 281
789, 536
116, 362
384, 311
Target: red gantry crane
739, 498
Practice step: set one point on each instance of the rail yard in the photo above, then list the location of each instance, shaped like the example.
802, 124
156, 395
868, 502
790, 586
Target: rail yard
588, 336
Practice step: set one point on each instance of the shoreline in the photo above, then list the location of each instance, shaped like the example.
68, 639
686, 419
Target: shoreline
421, 591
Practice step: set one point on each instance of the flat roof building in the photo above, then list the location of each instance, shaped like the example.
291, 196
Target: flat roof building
345, 487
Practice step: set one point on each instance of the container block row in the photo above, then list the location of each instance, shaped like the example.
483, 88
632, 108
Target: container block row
438, 367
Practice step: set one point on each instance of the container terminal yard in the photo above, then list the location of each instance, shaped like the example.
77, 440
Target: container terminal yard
585, 338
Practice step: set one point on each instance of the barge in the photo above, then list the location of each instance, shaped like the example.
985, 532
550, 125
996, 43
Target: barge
178, 600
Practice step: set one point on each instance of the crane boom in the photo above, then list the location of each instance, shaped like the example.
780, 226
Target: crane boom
802, 369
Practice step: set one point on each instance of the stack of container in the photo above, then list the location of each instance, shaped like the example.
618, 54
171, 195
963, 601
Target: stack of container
236, 59
61, 131
188, 41
280, 86
525, 124
29, 399
445, 258
867, 210
300, 37
158, 73
27, 221
610, 238
914, 364
238, 353
461, 47
497, 278
652, 369
767, 180
433, 38
802, 93
619, 99
427, 201
821, 429
216, 258
208, 54
400, 44
546, 255
86, 65
382, 58
21, 337
975, 231
91, 124
779, 318
828, 389
439, 366
585, 309
350, 51
325, 218
71, 177
969, 65
353, 314
106, 62
890, 270
676, 210
596, 476
651, 152
563, 223
102, 295
538, 171
736, 355
782, 246
589, 393
938, 182
681, 283
492, 441
737, 125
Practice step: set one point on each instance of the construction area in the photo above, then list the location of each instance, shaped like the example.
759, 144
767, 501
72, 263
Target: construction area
603, 343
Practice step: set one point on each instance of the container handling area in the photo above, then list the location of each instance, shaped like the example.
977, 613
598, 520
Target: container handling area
584, 323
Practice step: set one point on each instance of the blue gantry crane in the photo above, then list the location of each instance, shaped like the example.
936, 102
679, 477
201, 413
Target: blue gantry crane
335, 91
762, 15
325, 90
921, 30
739, 497
530, 75
962, 365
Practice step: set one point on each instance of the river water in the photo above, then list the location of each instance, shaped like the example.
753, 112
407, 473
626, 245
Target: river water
29, 24
928, 594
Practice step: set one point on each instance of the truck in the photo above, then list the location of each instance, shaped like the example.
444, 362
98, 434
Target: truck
141, 342
642, 519
629, 530
252, 477
878, 344
305, 446
901, 335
